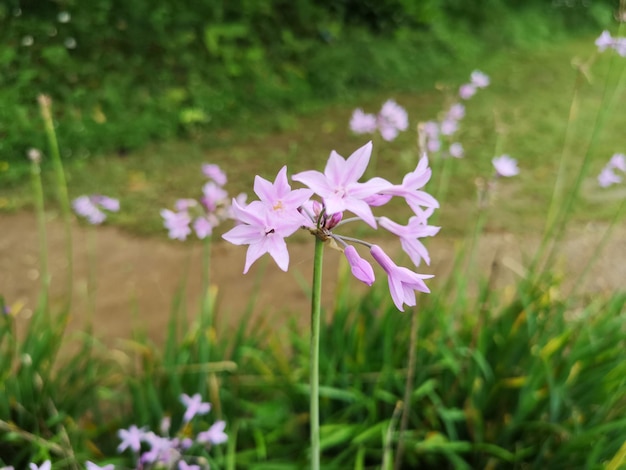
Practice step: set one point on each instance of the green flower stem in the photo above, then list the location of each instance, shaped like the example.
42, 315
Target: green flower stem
35, 172
315, 353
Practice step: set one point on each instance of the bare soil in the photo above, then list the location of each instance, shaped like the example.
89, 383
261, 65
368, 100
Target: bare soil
137, 278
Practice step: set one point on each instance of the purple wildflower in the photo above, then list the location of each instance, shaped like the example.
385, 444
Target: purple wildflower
361, 269
479, 79
177, 224
607, 177
195, 406
402, 282
456, 150
362, 123
456, 112
410, 188
92, 466
214, 435
409, 237
505, 166
182, 465
449, 126
131, 437
467, 91
90, 207
215, 173
44, 466
604, 41
618, 162
392, 119
338, 186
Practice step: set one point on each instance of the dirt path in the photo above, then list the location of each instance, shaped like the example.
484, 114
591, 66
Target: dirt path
138, 277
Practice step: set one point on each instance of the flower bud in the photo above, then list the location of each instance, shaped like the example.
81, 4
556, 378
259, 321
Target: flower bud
361, 269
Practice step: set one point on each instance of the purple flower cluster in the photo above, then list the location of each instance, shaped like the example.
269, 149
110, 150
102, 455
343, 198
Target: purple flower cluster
606, 41
202, 215
153, 450
281, 211
390, 121
447, 126
607, 176
92, 207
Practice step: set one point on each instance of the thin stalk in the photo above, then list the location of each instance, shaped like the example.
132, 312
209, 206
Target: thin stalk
91, 275
62, 195
316, 310
35, 171
410, 378
206, 313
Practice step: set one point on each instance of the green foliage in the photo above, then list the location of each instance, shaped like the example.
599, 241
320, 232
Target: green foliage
127, 73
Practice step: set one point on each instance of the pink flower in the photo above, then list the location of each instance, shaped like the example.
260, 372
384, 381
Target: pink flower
195, 406
44, 466
177, 223
505, 166
410, 188
362, 123
479, 79
392, 119
618, 161
214, 435
449, 127
360, 268
607, 177
203, 227
131, 437
467, 91
402, 282
604, 41
279, 199
339, 186
409, 237
456, 150
214, 172
213, 196
456, 112
263, 231
92, 466
90, 207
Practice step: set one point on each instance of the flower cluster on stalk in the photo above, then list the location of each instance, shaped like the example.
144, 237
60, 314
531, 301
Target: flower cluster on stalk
93, 207
390, 121
281, 211
181, 451
442, 131
204, 214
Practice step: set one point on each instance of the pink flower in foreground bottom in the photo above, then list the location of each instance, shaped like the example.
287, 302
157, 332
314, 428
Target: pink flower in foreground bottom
402, 281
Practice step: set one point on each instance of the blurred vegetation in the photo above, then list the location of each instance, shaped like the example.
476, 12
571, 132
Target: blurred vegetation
126, 73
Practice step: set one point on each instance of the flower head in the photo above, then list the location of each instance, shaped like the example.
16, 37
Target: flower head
214, 435
392, 119
44, 466
604, 41
131, 438
456, 150
215, 173
92, 466
479, 79
90, 207
607, 177
360, 268
338, 186
177, 224
402, 282
505, 166
362, 123
195, 406
467, 91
